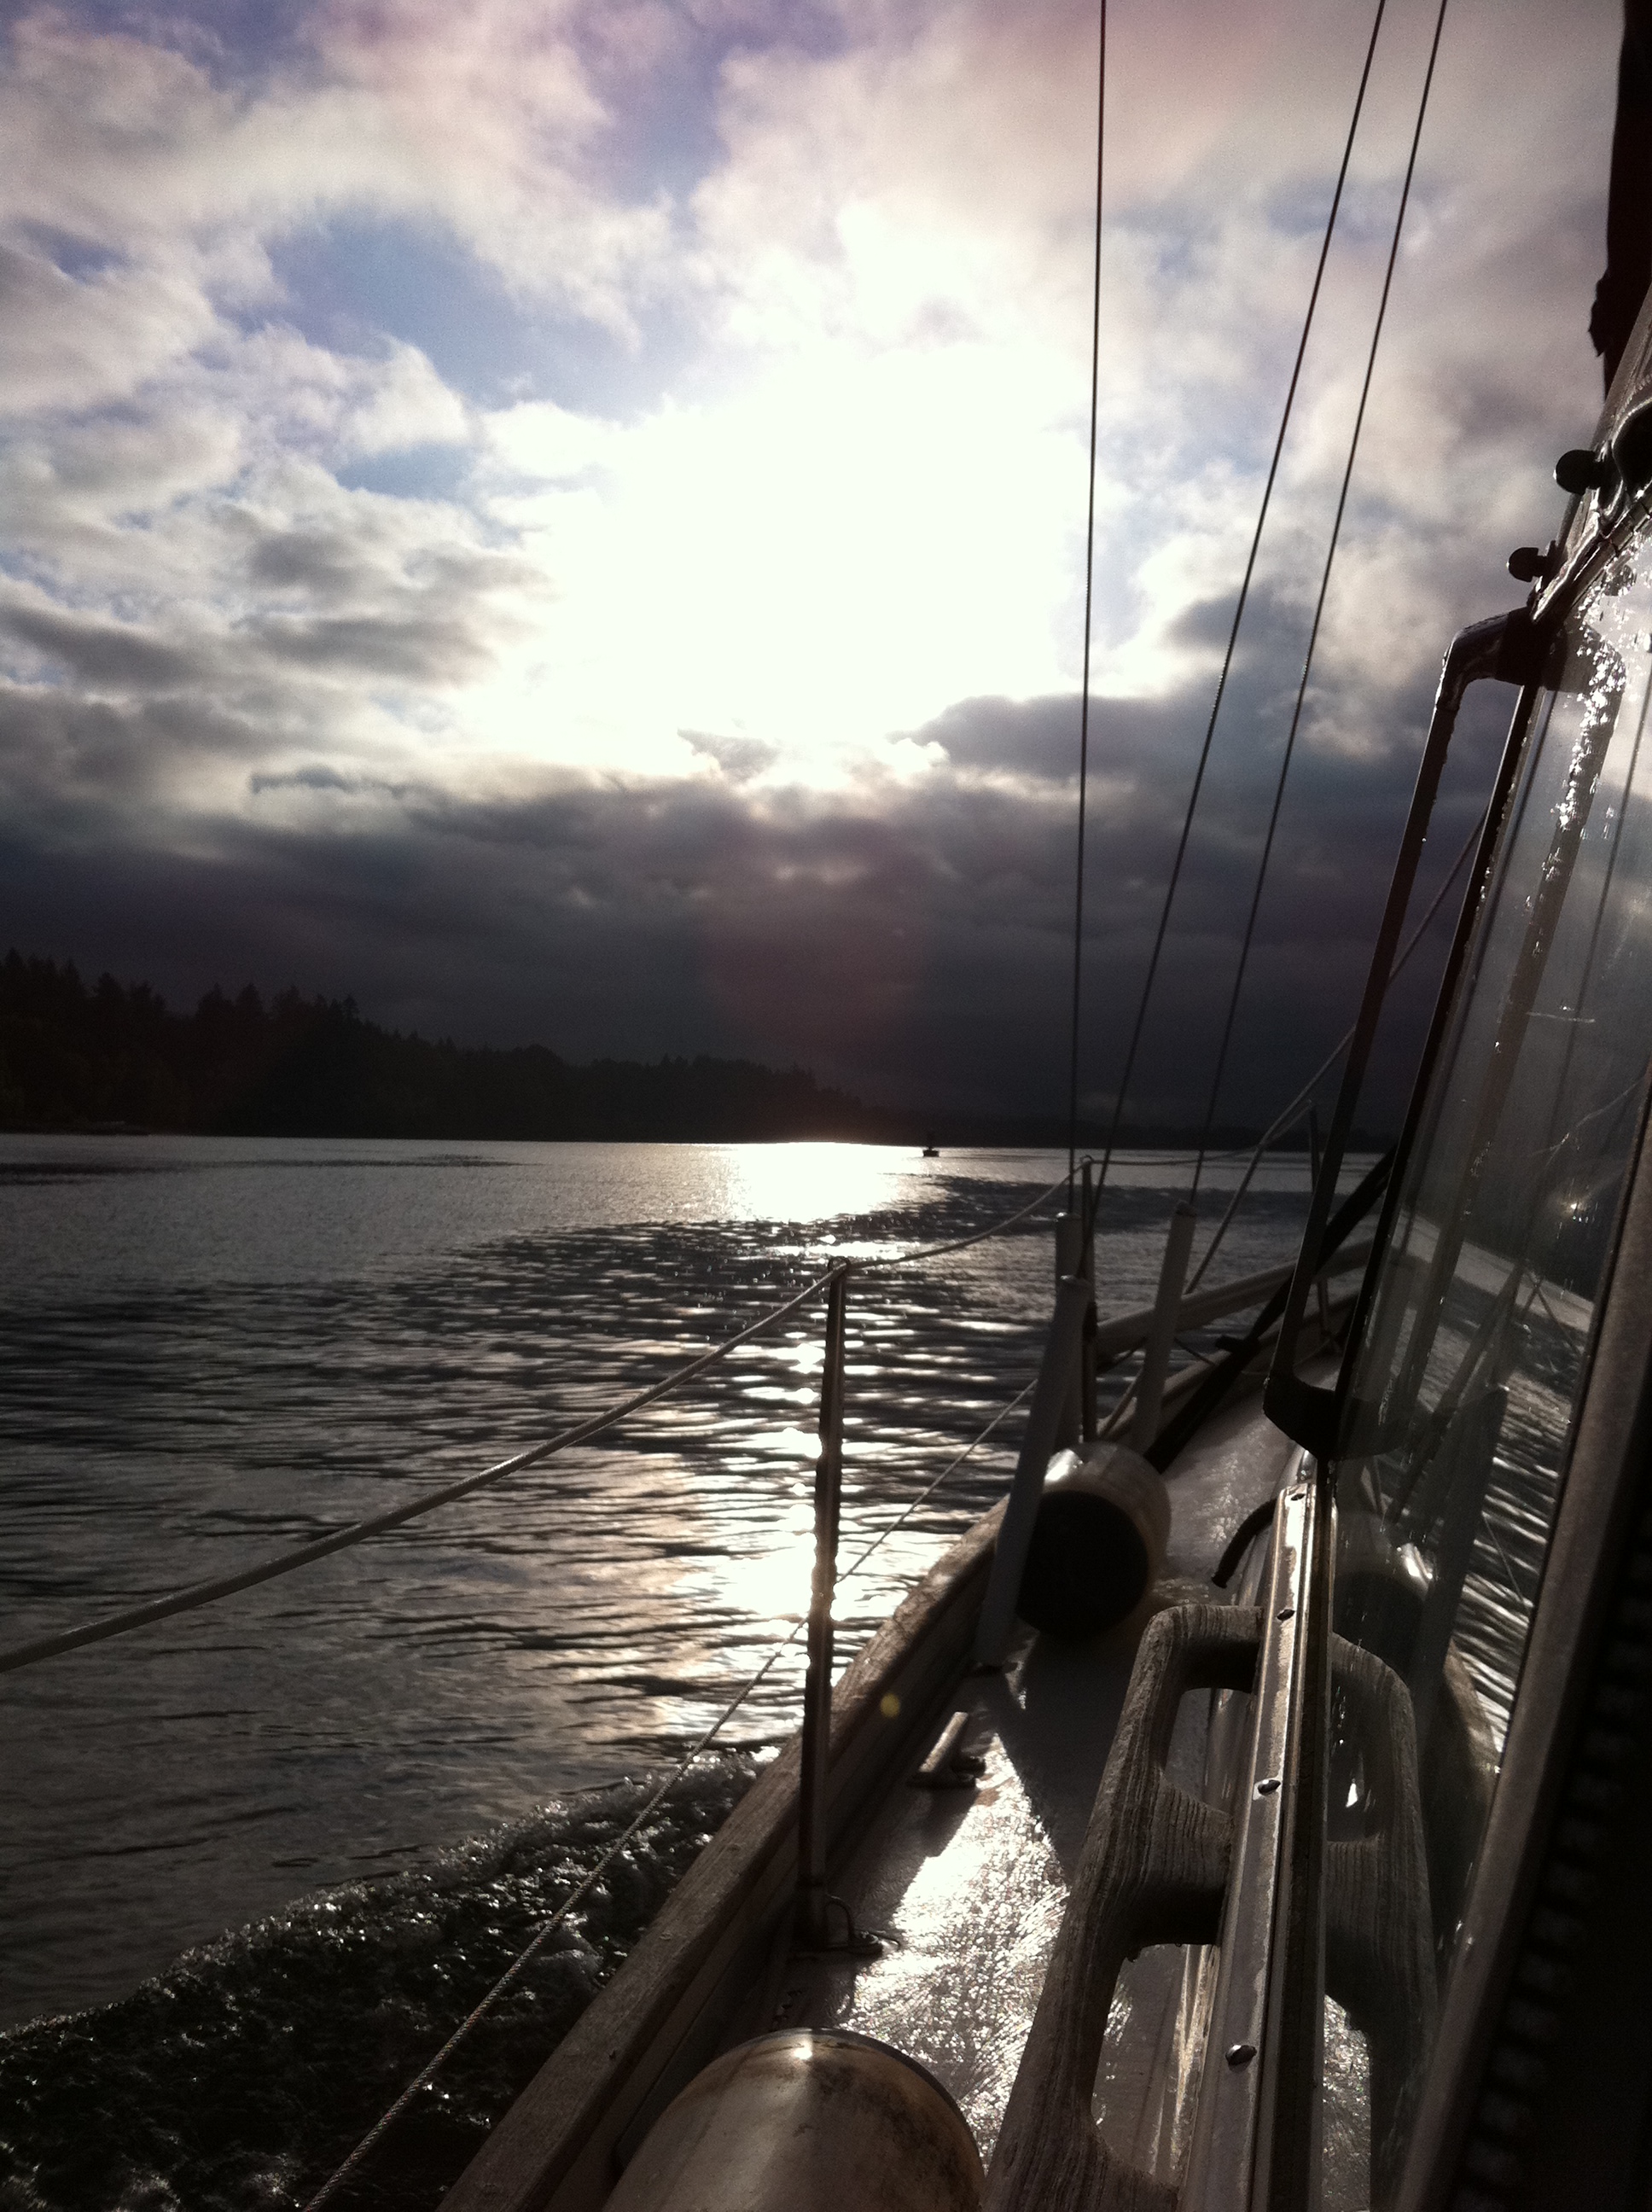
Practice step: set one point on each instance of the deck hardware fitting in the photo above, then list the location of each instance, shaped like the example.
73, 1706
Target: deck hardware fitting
1240, 2054
1580, 470
948, 1766
1266, 1787
853, 1945
1528, 564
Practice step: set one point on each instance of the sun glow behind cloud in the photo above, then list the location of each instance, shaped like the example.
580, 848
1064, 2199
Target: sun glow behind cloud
855, 492
830, 556
417, 410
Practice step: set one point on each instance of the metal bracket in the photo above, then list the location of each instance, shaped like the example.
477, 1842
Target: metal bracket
854, 1943
947, 1766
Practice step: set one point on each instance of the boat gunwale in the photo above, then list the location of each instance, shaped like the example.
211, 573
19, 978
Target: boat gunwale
555, 2145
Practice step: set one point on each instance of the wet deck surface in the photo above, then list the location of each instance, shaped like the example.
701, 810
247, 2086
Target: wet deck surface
967, 1886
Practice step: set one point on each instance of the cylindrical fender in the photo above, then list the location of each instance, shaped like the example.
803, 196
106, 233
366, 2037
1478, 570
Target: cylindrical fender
810, 2120
1098, 1543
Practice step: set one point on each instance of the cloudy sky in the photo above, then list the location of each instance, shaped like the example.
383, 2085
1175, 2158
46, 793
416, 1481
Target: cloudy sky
564, 518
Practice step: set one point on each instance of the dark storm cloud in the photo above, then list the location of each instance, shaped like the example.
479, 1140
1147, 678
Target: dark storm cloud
1272, 620
412, 613
114, 689
319, 777
414, 649
1032, 738
100, 654
911, 939
315, 560
739, 758
92, 768
234, 739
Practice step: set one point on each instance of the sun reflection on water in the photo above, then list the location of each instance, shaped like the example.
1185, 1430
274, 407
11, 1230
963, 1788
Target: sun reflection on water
812, 1182
772, 1585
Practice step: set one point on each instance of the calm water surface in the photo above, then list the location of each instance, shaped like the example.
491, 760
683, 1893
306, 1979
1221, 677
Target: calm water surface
347, 1796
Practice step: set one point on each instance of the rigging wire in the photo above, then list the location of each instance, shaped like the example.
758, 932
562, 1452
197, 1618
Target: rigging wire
1089, 584
1319, 609
1290, 1112
1238, 614
702, 1743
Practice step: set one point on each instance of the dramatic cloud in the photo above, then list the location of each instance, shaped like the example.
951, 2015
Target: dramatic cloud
566, 520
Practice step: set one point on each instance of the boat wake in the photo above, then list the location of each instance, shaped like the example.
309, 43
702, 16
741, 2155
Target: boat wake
237, 2080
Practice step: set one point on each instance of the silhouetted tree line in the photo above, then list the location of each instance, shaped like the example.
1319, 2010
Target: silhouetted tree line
74, 1055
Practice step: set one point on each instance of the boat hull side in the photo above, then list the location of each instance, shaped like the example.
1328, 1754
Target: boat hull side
659, 2020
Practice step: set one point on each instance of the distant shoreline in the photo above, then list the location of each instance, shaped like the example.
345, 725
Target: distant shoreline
113, 1059
1182, 1140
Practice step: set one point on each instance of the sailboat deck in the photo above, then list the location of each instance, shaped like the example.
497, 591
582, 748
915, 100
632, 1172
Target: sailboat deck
966, 1888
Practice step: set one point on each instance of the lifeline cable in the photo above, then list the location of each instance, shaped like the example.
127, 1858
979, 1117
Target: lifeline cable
1089, 581
427, 2074
1238, 615
208, 1592
386, 2120
195, 1594
963, 1243
1319, 608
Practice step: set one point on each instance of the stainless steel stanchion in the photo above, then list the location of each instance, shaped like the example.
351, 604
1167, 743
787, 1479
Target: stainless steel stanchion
812, 1929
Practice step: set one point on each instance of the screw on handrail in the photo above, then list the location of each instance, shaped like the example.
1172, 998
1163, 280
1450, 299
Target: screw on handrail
1156, 1356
